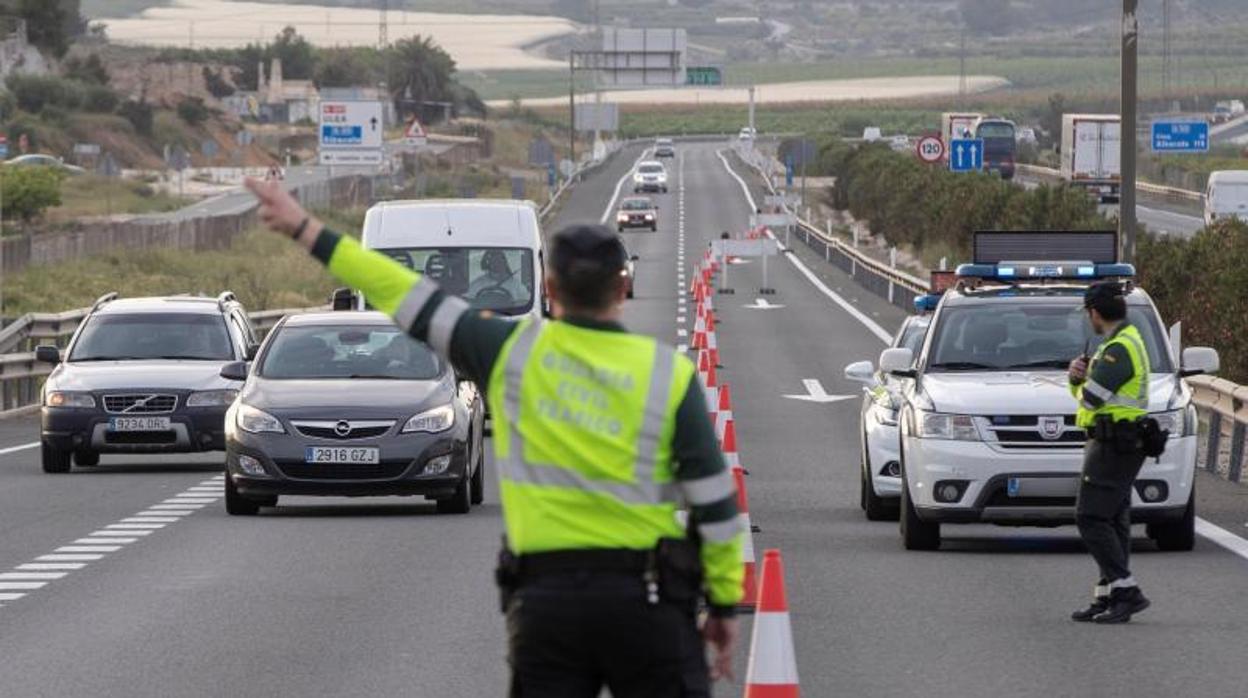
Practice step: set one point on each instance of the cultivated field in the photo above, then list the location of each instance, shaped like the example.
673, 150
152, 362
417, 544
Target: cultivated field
794, 92
476, 42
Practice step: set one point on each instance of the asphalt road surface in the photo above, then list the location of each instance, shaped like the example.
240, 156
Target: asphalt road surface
338, 597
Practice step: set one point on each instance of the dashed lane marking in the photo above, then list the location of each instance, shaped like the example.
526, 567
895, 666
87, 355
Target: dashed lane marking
22, 447
99, 544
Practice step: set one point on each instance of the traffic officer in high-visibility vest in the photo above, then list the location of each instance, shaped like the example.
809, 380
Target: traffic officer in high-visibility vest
600, 438
1112, 391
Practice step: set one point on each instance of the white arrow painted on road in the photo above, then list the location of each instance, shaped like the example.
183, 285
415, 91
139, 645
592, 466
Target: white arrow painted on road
762, 304
816, 393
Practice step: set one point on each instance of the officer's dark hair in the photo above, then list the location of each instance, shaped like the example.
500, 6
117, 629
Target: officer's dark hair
1108, 299
587, 261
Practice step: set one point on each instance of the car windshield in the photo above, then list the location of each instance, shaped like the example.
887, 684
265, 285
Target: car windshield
136, 336
636, 205
650, 169
499, 279
380, 352
996, 129
1028, 336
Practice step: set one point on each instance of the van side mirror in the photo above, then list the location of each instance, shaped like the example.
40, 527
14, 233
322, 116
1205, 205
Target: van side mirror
47, 354
342, 299
1199, 360
898, 362
235, 371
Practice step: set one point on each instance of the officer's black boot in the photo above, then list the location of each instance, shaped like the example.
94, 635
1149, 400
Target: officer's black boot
1100, 604
1124, 602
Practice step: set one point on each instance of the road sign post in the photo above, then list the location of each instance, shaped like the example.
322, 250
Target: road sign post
351, 133
1180, 137
966, 154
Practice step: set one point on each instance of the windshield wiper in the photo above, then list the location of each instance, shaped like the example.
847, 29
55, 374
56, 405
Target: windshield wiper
371, 376
1047, 363
107, 358
171, 357
962, 366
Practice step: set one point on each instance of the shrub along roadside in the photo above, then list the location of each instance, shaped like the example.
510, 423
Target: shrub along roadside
934, 211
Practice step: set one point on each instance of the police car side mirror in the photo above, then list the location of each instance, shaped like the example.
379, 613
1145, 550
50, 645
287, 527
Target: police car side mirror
235, 371
861, 372
1198, 360
342, 299
898, 362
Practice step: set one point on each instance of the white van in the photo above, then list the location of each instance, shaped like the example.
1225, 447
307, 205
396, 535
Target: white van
488, 252
1226, 196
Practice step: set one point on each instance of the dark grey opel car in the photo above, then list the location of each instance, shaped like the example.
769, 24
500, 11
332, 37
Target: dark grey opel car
346, 404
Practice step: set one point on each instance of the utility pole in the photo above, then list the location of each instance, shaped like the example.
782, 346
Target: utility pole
383, 24
1130, 69
1165, 49
962, 70
572, 106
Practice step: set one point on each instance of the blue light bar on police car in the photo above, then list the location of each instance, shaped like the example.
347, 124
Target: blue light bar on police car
1017, 271
927, 302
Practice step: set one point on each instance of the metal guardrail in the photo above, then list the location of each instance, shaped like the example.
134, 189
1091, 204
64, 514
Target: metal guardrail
1157, 191
1221, 404
21, 377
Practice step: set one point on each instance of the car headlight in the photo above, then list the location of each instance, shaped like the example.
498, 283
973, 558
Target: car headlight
211, 398
1179, 423
64, 398
256, 421
621, 216
937, 425
431, 421
649, 216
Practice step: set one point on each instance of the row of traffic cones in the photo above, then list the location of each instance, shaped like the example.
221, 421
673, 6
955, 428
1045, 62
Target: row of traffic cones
772, 670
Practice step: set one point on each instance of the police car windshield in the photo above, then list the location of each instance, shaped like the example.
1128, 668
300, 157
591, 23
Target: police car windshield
499, 279
1003, 336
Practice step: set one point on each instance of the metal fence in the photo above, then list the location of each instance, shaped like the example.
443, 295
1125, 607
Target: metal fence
1154, 191
1221, 404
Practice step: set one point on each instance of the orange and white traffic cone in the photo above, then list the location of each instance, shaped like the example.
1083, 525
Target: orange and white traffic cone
712, 346
749, 587
772, 670
723, 411
706, 374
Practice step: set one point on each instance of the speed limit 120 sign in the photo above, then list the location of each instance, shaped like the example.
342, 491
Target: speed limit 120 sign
930, 149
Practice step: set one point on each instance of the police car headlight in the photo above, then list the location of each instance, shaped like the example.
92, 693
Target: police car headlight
938, 425
1178, 422
431, 421
256, 421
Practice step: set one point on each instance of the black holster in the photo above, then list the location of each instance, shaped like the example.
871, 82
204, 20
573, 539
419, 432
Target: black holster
677, 563
506, 576
1123, 437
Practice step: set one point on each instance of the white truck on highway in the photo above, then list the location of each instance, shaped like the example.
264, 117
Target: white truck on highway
957, 125
1091, 153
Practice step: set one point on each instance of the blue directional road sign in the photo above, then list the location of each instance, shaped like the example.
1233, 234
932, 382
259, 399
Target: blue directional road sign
788, 171
966, 154
1180, 136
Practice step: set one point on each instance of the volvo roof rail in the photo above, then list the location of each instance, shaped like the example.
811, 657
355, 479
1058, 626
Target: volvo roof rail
226, 297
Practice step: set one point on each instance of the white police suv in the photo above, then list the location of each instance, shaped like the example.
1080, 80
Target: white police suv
987, 423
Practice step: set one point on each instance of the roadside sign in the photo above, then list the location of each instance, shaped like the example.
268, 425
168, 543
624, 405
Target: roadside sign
775, 220
930, 149
704, 75
1181, 136
351, 133
541, 152
966, 154
86, 149
415, 134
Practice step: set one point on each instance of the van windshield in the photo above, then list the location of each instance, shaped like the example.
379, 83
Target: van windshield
996, 129
490, 278
1029, 336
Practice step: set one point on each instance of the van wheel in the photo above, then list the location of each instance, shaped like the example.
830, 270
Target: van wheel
916, 534
1177, 536
878, 508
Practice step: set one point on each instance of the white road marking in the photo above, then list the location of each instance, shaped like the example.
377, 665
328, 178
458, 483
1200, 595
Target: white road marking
105, 534
103, 541
69, 558
180, 505
816, 393
151, 519
52, 566
1222, 537
21, 586
762, 304
682, 332
15, 576
128, 526
87, 549
10, 597
22, 447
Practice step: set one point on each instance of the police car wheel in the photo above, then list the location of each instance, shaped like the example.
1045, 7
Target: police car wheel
458, 503
54, 460
1177, 536
916, 534
878, 508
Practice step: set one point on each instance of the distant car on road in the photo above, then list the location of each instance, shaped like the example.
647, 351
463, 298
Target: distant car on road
664, 148
872, 134
346, 404
747, 133
650, 176
637, 212
630, 273
900, 143
1226, 196
142, 375
40, 160
880, 466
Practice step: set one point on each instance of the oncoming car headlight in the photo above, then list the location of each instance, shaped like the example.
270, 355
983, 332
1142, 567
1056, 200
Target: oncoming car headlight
937, 425
211, 398
431, 421
256, 421
65, 398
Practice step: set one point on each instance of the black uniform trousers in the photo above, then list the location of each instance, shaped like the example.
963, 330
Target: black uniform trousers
570, 634
1103, 508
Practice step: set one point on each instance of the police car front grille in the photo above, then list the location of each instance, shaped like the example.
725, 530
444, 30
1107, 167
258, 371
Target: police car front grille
1023, 432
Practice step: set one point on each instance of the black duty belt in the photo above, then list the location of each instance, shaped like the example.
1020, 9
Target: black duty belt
570, 561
